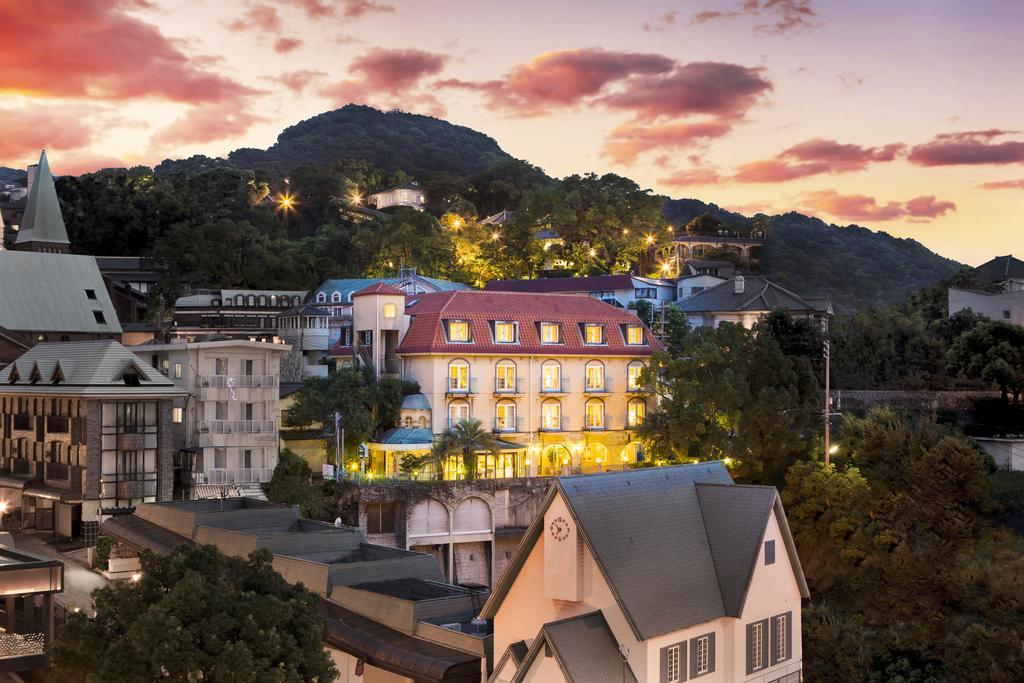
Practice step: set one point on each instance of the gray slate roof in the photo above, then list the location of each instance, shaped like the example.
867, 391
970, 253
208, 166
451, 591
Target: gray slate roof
586, 650
1000, 268
686, 525
88, 368
47, 293
759, 294
43, 221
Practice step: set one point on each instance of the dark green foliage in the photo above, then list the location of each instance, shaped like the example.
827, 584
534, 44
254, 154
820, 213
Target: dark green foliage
909, 579
13, 176
994, 353
292, 484
418, 145
198, 614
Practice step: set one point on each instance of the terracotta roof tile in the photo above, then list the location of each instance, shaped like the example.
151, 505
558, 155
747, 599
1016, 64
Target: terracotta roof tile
379, 288
427, 332
592, 283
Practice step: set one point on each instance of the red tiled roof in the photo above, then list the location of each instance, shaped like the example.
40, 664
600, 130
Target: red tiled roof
379, 288
427, 332
591, 283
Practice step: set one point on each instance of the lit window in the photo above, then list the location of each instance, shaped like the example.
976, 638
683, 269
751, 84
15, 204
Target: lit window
504, 333
549, 333
637, 410
757, 646
551, 377
505, 376
458, 376
177, 415
551, 415
457, 411
458, 331
780, 637
634, 334
390, 310
672, 665
595, 414
633, 375
703, 655
505, 417
593, 334
595, 377
177, 371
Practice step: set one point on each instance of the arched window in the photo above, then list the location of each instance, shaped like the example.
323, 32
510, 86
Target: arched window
457, 411
263, 301
423, 421
273, 299
595, 376
637, 410
321, 297
472, 515
427, 517
595, 414
555, 458
336, 298
595, 455
458, 376
390, 310
551, 376
296, 300
239, 300
551, 415
505, 377
505, 416
250, 300
633, 372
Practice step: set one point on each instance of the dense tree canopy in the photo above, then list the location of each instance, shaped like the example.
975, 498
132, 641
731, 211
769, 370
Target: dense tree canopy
198, 614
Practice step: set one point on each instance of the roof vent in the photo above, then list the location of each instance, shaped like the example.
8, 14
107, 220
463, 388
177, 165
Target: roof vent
739, 284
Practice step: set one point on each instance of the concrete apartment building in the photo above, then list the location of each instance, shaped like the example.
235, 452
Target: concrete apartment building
700, 581
1004, 297
87, 429
236, 313
390, 616
229, 412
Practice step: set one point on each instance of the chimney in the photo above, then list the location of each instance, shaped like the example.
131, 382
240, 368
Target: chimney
740, 284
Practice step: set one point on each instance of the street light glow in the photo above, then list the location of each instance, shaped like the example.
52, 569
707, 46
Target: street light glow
650, 239
285, 202
593, 252
495, 236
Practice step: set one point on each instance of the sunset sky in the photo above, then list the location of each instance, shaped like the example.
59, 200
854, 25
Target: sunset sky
901, 116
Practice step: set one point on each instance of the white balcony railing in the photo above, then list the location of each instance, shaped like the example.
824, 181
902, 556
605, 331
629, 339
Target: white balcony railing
237, 427
233, 476
238, 381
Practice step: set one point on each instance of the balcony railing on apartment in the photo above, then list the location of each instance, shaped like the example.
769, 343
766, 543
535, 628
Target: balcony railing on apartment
514, 424
238, 381
457, 387
554, 425
237, 426
562, 388
251, 475
504, 386
138, 485
594, 386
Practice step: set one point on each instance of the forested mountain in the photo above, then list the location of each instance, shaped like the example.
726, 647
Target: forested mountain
858, 267
12, 175
391, 141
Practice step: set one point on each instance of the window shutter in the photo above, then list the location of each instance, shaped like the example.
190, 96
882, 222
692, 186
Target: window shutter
711, 653
682, 661
773, 649
750, 649
693, 658
664, 665
789, 635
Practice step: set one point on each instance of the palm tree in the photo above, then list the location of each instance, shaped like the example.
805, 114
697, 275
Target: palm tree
469, 437
439, 454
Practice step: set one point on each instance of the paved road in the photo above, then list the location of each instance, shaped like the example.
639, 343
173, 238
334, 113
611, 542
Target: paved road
79, 582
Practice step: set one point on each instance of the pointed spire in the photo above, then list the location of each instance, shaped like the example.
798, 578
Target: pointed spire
43, 223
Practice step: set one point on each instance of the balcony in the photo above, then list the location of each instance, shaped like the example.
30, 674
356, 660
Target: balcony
124, 486
638, 388
251, 475
508, 425
238, 426
560, 424
232, 388
562, 388
602, 385
595, 425
506, 387
456, 387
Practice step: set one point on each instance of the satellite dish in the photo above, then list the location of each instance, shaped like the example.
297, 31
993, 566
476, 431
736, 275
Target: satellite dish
337, 522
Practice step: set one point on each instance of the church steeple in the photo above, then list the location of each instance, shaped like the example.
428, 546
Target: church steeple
42, 227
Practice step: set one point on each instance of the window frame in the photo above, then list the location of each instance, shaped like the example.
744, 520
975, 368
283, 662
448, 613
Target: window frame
638, 385
586, 375
508, 422
392, 307
551, 326
458, 363
631, 421
586, 414
511, 325
587, 328
631, 327
544, 422
448, 331
553, 389
505, 363
673, 660
769, 552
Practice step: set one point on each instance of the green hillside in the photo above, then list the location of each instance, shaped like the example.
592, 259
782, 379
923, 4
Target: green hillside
12, 175
391, 141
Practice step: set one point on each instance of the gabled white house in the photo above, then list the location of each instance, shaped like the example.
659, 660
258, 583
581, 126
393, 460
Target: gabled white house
659, 575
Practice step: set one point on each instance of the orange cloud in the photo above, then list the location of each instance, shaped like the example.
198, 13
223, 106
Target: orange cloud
297, 81
813, 157
1017, 184
26, 131
381, 73
628, 141
703, 175
206, 123
858, 207
258, 17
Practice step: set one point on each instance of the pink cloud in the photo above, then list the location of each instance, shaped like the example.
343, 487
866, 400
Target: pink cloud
969, 148
703, 175
1017, 184
258, 17
815, 156
628, 141
286, 45
93, 49
352, 9
207, 123
27, 131
358, 8
297, 81
392, 76
783, 16
662, 23
858, 207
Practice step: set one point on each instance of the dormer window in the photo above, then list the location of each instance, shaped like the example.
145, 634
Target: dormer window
98, 316
593, 334
458, 331
504, 332
90, 294
131, 378
336, 298
549, 333
634, 335
321, 298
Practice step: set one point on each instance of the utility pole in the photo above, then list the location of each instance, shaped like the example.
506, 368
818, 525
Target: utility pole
337, 444
828, 407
